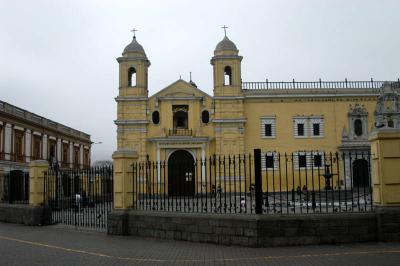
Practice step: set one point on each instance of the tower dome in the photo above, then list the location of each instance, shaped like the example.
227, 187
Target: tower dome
225, 45
134, 47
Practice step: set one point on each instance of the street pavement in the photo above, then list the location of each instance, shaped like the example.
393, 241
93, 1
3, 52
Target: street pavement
57, 245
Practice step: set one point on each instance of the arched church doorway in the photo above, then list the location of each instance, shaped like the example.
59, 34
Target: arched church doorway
181, 170
360, 174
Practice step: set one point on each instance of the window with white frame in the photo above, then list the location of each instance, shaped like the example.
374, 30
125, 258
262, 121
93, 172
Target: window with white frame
317, 127
308, 159
308, 127
268, 127
269, 161
299, 127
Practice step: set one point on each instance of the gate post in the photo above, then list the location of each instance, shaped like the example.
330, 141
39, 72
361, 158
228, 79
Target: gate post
123, 178
385, 150
258, 180
37, 170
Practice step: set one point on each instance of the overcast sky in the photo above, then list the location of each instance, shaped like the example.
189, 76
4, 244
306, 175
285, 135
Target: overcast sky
57, 58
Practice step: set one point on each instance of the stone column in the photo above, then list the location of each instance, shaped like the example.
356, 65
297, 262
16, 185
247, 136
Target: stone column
81, 155
124, 195
203, 165
385, 150
158, 170
7, 141
44, 147
28, 143
37, 170
59, 147
71, 154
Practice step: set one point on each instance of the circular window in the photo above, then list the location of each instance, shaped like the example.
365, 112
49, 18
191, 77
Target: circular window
358, 130
155, 117
205, 117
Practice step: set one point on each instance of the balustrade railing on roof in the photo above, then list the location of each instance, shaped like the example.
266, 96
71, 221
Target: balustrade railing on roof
372, 84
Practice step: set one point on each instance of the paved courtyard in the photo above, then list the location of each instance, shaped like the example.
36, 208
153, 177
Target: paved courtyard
56, 245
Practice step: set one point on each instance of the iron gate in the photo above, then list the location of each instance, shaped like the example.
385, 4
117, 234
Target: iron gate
79, 197
15, 187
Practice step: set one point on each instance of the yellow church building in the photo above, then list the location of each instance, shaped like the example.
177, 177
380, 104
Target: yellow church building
305, 119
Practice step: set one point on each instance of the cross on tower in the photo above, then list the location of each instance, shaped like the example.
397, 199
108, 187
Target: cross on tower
134, 32
224, 27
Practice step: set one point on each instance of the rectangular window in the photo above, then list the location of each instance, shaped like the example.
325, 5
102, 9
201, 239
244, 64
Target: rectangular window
302, 160
317, 160
316, 129
267, 127
36, 147
269, 161
18, 146
268, 130
65, 152
300, 129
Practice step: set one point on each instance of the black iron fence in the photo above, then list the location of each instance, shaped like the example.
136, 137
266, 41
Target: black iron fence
265, 182
15, 187
79, 197
371, 84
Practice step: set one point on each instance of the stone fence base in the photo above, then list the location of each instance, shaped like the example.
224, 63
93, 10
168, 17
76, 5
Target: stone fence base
24, 214
259, 230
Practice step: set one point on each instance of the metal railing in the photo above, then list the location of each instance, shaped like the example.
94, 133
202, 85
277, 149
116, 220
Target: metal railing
309, 182
372, 84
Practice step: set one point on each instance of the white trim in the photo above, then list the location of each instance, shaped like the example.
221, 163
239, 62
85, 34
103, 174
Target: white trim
308, 122
37, 133
228, 97
275, 158
76, 144
65, 141
129, 99
122, 130
130, 122
19, 128
52, 137
265, 121
240, 120
309, 160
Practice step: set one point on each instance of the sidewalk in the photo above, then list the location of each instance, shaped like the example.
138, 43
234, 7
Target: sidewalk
56, 245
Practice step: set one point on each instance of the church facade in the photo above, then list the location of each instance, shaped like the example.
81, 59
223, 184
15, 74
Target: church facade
300, 118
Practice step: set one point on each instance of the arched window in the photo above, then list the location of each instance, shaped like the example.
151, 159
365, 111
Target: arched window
390, 123
205, 117
358, 130
156, 117
132, 77
227, 76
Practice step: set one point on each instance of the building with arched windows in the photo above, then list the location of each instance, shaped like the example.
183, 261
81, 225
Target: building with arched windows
307, 119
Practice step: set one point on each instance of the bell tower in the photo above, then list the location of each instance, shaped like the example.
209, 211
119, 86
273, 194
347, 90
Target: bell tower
132, 100
133, 68
229, 120
226, 64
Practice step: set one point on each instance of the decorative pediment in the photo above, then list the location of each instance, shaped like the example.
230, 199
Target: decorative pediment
180, 89
357, 110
